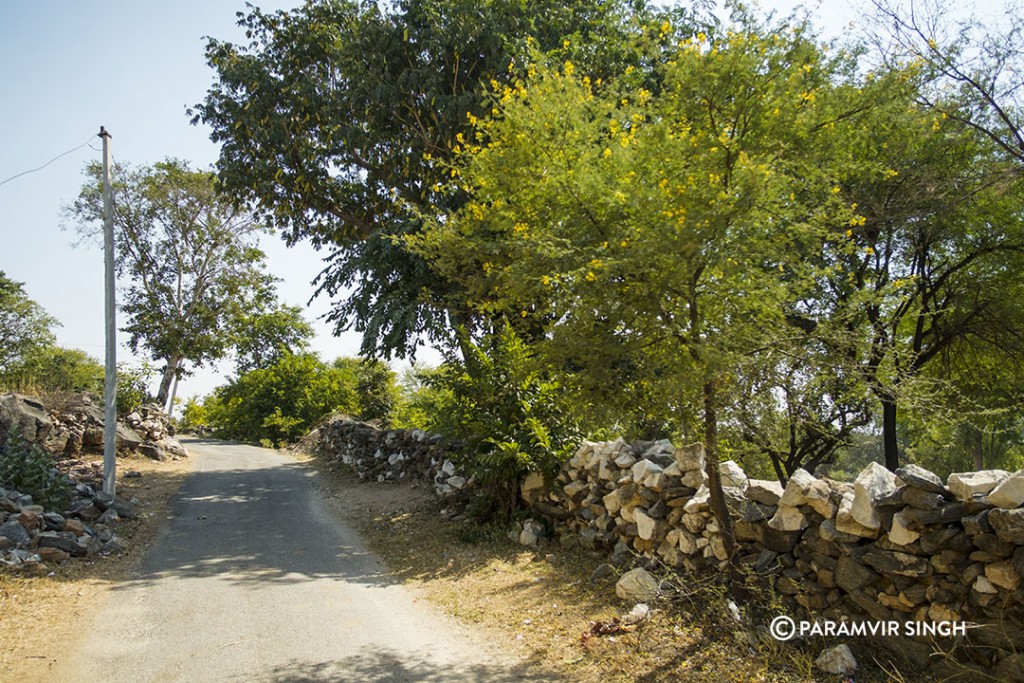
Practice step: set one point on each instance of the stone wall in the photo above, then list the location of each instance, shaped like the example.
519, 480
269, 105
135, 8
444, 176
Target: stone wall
901, 546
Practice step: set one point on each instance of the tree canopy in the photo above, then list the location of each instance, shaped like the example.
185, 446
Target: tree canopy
186, 257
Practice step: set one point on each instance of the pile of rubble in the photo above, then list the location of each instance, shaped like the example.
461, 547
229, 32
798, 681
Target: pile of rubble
31, 535
391, 454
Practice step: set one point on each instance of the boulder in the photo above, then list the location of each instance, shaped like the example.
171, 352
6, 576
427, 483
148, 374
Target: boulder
532, 488
1008, 524
871, 484
690, 457
846, 524
25, 416
637, 585
1009, 493
732, 474
900, 534
965, 485
788, 518
764, 491
920, 478
837, 660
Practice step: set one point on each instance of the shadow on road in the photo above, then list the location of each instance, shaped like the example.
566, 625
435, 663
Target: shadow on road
387, 666
258, 524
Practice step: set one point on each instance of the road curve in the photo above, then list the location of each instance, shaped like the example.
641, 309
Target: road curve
252, 580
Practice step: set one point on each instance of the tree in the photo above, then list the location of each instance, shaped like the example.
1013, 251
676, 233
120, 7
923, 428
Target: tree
270, 333
24, 325
186, 258
674, 231
280, 402
338, 121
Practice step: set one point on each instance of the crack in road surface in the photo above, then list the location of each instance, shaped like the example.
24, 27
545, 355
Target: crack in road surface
252, 580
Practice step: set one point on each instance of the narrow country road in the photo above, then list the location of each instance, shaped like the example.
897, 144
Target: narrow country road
253, 581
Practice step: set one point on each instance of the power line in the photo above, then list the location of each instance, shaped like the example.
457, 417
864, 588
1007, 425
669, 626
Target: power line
63, 154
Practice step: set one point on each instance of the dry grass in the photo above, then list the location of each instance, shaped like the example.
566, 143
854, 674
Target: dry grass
40, 615
541, 602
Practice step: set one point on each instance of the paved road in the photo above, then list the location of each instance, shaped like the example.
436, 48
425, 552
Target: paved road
254, 581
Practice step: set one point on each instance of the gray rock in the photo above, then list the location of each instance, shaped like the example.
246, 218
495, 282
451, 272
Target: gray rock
15, 532
62, 540
900, 564
920, 478
871, 484
837, 660
851, 575
1008, 524
26, 417
766, 492
1009, 493
637, 585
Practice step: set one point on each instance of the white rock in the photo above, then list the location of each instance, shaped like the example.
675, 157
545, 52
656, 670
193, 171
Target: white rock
717, 545
646, 527
613, 502
687, 542
965, 485
732, 474
690, 457
637, 584
457, 482
625, 459
837, 660
581, 459
1009, 493
694, 479
845, 522
983, 585
788, 518
531, 534
900, 534
764, 491
699, 502
656, 482
673, 470
448, 467
871, 484
645, 468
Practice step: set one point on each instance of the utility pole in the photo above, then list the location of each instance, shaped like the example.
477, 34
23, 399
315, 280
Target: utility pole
110, 374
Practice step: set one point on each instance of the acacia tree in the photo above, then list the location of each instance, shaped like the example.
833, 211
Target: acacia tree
186, 258
334, 118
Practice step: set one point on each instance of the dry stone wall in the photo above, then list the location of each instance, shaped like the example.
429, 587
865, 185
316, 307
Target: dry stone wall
903, 546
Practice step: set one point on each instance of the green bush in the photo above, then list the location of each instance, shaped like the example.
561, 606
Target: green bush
512, 418
280, 403
28, 468
132, 387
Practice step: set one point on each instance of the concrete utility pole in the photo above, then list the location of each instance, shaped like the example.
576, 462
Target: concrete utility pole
110, 375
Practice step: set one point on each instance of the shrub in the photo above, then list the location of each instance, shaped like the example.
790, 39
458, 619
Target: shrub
28, 468
512, 418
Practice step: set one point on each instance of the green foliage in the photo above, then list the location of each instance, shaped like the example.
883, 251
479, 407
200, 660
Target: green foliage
512, 419
281, 402
376, 388
24, 327
195, 415
28, 468
348, 167
268, 334
132, 387
422, 401
50, 369
186, 258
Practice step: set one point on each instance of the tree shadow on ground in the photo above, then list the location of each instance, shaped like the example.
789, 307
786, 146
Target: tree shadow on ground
386, 666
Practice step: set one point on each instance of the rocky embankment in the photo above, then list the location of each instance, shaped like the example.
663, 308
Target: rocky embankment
30, 534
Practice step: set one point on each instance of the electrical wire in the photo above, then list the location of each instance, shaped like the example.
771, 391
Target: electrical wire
63, 154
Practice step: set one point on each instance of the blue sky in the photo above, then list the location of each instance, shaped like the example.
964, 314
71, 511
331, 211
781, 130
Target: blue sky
69, 66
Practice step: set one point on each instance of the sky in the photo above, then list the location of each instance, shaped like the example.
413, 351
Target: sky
66, 68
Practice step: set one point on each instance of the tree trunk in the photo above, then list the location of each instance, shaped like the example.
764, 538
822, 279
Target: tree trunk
977, 448
891, 446
165, 382
717, 497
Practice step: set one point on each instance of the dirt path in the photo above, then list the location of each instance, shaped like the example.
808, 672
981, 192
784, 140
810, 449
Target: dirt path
253, 580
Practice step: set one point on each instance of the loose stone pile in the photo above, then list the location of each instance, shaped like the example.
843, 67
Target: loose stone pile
391, 455
31, 535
